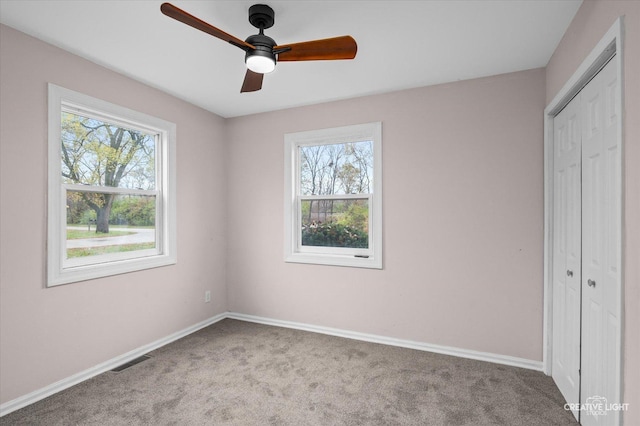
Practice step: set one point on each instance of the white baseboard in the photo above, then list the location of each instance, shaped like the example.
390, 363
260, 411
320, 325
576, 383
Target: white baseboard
445, 350
65, 383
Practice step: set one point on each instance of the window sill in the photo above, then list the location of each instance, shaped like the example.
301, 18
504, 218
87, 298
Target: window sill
334, 260
88, 272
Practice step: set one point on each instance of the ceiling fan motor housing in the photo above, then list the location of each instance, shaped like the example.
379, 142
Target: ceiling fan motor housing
261, 16
264, 47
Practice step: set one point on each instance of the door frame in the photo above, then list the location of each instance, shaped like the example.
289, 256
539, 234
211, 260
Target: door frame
611, 44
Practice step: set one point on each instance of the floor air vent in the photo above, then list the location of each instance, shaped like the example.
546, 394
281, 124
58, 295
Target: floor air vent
130, 363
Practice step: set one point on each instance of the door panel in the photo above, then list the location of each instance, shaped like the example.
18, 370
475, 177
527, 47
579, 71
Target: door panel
567, 252
600, 247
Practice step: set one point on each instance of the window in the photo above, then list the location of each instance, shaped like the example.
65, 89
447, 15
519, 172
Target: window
333, 196
111, 189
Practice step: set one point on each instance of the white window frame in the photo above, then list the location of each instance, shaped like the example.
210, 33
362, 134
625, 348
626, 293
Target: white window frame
61, 270
294, 251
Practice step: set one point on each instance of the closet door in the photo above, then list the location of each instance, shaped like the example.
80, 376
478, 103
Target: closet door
567, 252
601, 213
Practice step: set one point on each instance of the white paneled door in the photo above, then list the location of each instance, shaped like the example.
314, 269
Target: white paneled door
586, 250
567, 251
601, 210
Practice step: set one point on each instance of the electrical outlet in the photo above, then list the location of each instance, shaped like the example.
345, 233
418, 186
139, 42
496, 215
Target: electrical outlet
207, 296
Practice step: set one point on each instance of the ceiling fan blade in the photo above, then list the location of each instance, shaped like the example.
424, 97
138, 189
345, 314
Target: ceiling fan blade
180, 15
343, 47
252, 82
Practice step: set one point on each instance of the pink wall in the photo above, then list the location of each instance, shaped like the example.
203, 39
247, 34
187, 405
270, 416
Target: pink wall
590, 24
463, 218
50, 334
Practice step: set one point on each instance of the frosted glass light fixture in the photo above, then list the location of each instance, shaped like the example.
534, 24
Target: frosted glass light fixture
260, 62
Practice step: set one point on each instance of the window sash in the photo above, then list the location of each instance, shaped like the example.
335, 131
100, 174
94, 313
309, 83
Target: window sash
68, 263
96, 114
363, 196
345, 251
109, 189
158, 136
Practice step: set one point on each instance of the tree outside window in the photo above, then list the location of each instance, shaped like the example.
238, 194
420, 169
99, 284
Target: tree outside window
111, 189
99, 154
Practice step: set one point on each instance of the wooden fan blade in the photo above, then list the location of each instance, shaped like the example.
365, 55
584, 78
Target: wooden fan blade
344, 47
252, 82
180, 15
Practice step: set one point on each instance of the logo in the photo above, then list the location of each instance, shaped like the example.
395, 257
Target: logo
596, 406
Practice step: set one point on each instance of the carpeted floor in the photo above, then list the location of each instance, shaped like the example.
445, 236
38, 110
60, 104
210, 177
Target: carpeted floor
240, 373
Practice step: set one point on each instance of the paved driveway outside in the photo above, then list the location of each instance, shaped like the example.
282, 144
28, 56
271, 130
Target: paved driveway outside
141, 235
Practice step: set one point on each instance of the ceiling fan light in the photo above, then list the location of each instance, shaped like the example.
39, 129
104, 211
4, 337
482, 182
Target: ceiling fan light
260, 64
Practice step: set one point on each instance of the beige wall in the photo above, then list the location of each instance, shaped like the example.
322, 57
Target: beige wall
590, 24
463, 218
50, 334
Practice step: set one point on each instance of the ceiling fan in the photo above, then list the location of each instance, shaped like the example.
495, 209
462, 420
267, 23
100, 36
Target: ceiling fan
261, 51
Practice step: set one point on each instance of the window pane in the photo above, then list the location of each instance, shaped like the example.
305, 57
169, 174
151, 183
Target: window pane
99, 223
335, 223
98, 153
345, 168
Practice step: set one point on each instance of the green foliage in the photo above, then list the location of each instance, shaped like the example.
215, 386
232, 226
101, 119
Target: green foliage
305, 209
134, 211
356, 217
334, 235
87, 215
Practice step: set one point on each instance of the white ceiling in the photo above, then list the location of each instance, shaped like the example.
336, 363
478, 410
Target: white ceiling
401, 44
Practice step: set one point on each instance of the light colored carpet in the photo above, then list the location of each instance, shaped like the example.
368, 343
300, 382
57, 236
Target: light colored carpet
240, 373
